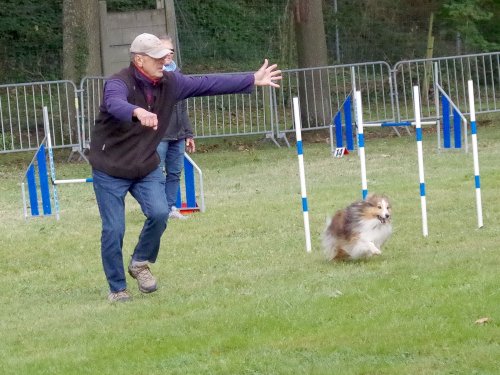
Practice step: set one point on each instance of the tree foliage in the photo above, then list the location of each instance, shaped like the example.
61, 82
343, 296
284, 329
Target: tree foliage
465, 16
228, 35
234, 35
388, 30
30, 39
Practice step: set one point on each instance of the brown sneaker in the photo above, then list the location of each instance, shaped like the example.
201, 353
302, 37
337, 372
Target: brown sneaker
121, 296
140, 271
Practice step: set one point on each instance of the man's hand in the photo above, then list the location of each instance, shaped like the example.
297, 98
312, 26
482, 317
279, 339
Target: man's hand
146, 118
266, 75
190, 145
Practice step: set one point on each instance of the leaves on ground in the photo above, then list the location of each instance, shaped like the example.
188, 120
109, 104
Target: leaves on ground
482, 321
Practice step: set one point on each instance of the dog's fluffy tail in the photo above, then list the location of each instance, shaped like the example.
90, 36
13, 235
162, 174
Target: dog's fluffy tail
328, 241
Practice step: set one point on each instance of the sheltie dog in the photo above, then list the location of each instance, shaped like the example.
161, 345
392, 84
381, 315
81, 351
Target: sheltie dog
359, 230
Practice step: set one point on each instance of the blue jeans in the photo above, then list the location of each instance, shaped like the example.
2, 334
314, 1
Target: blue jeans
171, 162
110, 194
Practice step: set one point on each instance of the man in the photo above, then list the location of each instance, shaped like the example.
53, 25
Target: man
177, 139
133, 117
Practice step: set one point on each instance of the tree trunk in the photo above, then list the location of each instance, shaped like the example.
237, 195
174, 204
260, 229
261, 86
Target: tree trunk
81, 41
311, 52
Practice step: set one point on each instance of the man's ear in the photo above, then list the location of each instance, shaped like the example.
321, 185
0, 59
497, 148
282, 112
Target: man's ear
138, 60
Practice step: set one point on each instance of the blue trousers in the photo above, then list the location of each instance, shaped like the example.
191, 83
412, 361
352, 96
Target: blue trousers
171, 162
110, 194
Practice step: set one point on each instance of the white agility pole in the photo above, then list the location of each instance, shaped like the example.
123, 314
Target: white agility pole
25, 207
51, 159
300, 154
418, 133
473, 128
361, 144
72, 181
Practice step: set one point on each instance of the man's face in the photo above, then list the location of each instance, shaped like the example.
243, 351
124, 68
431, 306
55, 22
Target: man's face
151, 66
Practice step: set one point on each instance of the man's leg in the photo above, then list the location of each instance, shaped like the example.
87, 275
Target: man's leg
162, 153
110, 195
150, 193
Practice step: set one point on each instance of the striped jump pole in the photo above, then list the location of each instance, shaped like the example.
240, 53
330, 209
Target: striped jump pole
300, 154
473, 128
420, 155
361, 144
44, 176
418, 130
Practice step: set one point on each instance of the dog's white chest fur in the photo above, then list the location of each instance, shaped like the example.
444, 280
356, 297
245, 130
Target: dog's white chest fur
373, 230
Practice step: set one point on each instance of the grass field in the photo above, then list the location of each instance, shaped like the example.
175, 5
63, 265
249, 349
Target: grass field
238, 294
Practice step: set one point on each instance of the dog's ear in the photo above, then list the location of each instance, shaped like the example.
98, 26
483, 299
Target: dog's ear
371, 199
384, 196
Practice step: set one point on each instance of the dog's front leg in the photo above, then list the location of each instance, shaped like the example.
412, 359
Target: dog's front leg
362, 249
374, 249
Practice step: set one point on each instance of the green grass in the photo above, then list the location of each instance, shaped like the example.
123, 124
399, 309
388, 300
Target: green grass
238, 294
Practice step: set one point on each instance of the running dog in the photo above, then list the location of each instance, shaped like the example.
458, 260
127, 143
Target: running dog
359, 230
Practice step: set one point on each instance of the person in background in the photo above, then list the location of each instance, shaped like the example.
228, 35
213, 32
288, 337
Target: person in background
133, 118
177, 139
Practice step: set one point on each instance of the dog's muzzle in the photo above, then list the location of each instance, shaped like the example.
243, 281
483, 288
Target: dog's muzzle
385, 219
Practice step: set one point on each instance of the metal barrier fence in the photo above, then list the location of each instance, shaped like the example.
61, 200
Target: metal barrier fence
211, 116
232, 115
21, 115
322, 91
90, 99
452, 73
387, 95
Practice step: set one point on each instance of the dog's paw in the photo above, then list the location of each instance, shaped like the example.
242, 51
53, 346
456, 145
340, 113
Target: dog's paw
374, 249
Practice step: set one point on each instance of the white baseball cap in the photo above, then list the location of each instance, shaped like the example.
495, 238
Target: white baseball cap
150, 45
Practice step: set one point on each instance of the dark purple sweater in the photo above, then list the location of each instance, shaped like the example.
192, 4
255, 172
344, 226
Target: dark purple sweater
120, 146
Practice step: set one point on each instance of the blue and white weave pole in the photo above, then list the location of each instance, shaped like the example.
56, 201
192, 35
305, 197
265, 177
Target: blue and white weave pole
300, 154
361, 144
420, 154
473, 128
